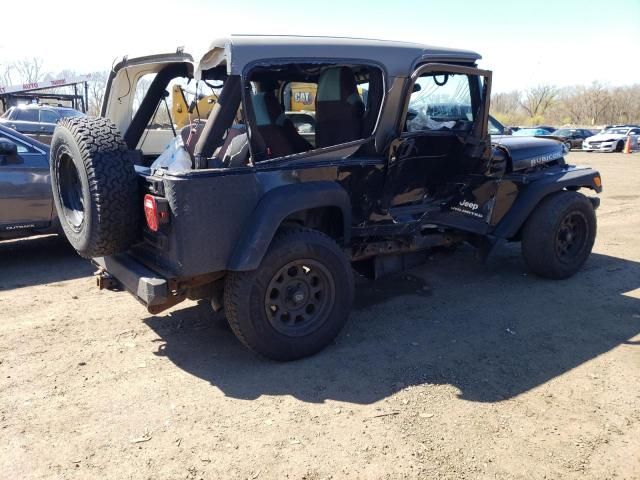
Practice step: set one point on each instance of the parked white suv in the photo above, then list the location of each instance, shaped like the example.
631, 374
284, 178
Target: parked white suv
612, 140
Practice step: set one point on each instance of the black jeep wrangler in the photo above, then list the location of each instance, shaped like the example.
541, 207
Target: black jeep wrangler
269, 224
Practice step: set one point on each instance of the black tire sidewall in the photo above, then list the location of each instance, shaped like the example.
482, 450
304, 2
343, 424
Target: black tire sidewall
108, 183
540, 235
258, 332
65, 143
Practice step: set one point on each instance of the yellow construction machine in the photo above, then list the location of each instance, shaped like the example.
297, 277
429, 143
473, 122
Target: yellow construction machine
184, 112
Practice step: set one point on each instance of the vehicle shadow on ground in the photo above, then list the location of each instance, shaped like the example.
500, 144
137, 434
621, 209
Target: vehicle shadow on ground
492, 331
39, 260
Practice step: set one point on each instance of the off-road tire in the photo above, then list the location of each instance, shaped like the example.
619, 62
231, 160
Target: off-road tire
101, 215
245, 296
544, 237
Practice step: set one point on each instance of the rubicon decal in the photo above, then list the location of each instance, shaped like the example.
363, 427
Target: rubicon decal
545, 158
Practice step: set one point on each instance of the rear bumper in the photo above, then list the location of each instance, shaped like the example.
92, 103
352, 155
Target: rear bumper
147, 286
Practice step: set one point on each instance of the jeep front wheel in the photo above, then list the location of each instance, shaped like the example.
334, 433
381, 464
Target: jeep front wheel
297, 301
558, 237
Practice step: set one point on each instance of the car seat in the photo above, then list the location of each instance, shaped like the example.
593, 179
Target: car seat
339, 108
277, 131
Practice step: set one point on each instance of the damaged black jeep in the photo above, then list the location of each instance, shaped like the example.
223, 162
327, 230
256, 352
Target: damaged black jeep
265, 208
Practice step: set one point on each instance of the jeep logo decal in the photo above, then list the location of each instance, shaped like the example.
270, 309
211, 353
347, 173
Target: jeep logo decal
469, 205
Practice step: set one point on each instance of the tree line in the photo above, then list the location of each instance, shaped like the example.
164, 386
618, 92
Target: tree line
580, 105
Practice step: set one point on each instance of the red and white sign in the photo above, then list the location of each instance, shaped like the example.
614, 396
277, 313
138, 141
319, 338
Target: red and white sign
58, 82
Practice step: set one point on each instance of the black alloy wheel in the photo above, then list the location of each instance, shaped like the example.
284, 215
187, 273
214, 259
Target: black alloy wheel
559, 235
299, 297
571, 238
297, 301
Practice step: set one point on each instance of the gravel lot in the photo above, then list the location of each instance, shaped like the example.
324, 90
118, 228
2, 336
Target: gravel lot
454, 370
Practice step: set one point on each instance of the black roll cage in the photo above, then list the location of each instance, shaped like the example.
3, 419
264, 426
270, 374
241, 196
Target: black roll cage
233, 95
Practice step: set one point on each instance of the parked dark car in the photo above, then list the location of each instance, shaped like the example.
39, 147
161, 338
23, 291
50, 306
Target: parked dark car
530, 132
37, 121
270, 226
548, 128
26, 205
571, 137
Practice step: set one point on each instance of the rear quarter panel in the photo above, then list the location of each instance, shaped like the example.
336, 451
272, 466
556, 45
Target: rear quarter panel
207, 213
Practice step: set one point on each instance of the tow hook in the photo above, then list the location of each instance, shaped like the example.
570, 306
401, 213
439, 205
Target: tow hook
104, 280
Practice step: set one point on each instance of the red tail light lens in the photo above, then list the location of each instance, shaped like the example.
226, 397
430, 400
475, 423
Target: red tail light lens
151, 212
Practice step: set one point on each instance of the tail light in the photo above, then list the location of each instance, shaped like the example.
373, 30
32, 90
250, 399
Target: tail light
156, 211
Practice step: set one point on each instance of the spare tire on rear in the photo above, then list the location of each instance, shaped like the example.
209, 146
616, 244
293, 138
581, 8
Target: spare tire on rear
95, 187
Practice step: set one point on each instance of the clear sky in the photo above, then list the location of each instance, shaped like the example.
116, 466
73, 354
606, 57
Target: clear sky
525, 42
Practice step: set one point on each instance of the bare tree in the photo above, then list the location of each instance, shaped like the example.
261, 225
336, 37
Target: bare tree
586, 105
97, 87
29, 70
535, 101
506, 102
623, 105
6, 77
506, 107
596, 99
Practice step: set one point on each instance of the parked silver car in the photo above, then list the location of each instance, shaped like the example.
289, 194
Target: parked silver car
612, 140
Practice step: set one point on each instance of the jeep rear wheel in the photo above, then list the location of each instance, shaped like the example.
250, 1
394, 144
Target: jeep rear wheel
95, 187
297, 301
559, 235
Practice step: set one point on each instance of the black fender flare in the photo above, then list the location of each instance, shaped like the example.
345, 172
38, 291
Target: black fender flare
534, 192
276, 205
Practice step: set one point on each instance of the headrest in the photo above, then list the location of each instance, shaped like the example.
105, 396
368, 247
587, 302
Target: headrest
337, 84
268, 84
265, 108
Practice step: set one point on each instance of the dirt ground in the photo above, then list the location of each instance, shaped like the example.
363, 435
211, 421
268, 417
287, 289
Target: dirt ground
455, 370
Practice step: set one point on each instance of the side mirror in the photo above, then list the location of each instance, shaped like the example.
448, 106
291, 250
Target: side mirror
8, 148
9, 153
